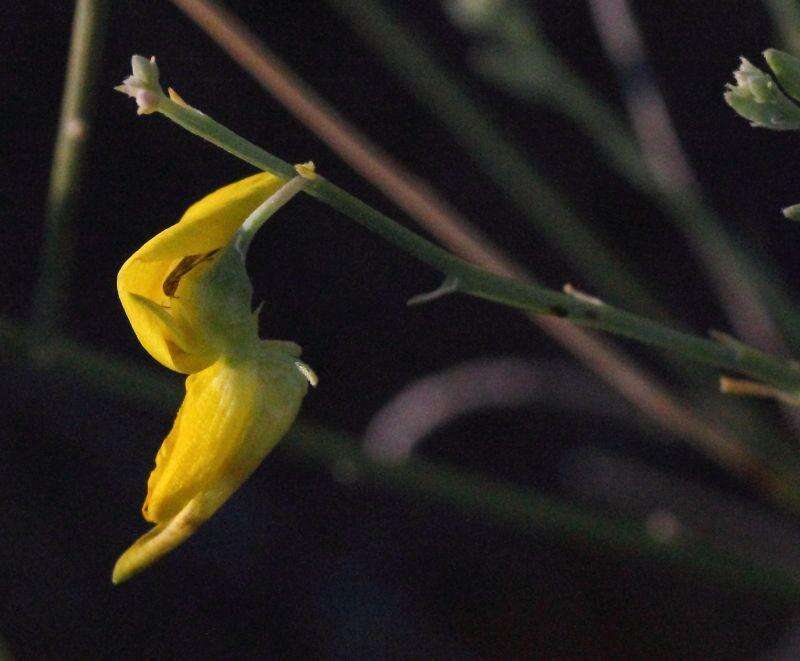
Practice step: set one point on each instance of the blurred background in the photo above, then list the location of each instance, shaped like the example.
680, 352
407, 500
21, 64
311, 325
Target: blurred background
459, 485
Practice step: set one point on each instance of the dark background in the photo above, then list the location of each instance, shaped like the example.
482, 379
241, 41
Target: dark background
300, 564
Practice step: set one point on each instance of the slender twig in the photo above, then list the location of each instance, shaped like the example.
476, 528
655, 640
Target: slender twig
484, 284
73, 131
529, 67
407, 57
737, 279
422, 203
409, 192
530, 512
501, 504
501, 161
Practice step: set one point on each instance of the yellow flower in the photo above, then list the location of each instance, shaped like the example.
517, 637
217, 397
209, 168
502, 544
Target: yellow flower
165, 321
188, 298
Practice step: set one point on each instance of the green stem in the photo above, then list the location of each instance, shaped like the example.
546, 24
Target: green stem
500, 503
684, 205
539, 74
478, 282
531, 513
67, 167
502, 162
265, 211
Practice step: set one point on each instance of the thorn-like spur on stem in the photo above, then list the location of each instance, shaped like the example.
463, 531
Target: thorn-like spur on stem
581, 296
748, 388
307, 372
306, 170
177, 98
449, 286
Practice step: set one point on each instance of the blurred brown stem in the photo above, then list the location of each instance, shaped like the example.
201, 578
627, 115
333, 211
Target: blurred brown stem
674, 178
746, 388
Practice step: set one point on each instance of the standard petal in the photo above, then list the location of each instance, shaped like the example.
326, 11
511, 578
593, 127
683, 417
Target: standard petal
211, 223
176, 338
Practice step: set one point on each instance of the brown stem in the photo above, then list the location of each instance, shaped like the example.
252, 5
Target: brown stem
748, 388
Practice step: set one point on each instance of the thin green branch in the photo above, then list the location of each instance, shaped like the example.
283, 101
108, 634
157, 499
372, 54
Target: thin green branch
499, 503
502, 162
532, 513
529, 67
73, 131
481, 283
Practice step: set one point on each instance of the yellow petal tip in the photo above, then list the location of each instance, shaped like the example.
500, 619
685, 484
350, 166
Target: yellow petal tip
158, 542
121, 573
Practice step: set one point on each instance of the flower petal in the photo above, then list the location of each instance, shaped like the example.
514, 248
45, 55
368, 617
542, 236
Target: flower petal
231, 417
160, 540
210, 426
181, 343
164, 337
211, 223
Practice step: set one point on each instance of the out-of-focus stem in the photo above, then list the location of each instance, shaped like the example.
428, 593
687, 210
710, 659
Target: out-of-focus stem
498, 503
650, 157
786, 22
67, 166
669, 177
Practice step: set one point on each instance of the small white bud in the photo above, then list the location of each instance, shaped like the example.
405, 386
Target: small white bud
143, 85
145, 71
757, 97
146, 101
